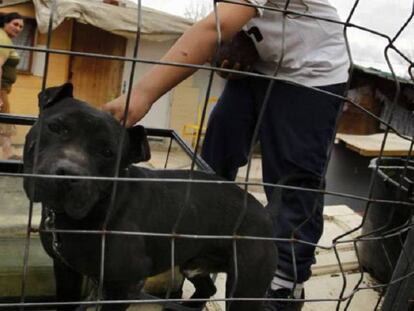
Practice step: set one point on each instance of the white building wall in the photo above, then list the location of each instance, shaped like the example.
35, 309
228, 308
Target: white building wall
190, 93
159, 115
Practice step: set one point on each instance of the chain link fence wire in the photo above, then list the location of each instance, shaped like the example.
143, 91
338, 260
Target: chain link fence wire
395, 293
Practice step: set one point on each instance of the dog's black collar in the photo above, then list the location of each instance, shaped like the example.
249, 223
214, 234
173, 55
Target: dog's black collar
50, 225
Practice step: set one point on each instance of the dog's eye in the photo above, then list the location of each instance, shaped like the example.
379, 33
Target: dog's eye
107, 153
57, 128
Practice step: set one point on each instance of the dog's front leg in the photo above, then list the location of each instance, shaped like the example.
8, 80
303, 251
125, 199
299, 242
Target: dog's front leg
119, 291
68, 285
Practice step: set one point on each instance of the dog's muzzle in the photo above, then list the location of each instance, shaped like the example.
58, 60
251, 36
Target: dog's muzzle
69, 188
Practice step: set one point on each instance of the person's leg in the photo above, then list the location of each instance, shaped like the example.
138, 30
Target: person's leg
296, 132
6, 146
6, 130
4, 94
229, 131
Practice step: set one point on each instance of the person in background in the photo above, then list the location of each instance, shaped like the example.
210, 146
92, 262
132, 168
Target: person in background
298, 124
11, 25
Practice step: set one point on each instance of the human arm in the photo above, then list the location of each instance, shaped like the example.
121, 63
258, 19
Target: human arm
196, 46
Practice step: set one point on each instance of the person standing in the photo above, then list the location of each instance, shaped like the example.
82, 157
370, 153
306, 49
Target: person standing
295, 133
298, 124
11, 25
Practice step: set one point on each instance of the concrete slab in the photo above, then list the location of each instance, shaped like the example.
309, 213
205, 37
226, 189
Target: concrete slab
329, 287
337, 210
39, 278
255, 172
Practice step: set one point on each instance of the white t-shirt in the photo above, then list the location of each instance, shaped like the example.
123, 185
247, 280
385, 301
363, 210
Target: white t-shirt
314, 50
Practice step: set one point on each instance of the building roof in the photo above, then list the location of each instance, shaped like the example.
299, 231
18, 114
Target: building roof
12, 2
122, 20
382, 74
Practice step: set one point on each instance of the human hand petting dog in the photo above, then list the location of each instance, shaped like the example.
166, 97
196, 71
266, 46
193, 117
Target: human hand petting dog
196, 46
137, 108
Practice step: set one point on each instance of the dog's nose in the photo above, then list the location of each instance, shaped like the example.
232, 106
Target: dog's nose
65, 172
65, 169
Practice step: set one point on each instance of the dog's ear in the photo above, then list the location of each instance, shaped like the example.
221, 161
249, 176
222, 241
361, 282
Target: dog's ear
139, 146
52, 95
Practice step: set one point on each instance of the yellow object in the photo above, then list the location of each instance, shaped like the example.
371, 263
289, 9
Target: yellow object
193, 130
161, 283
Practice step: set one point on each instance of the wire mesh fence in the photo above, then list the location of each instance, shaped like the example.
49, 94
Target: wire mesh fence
382, 242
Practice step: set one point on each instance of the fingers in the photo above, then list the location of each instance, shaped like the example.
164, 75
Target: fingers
227, 75
129, 121
113, 109
117, 108
225, 64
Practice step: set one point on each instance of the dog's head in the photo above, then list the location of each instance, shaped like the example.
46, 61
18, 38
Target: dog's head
71, 138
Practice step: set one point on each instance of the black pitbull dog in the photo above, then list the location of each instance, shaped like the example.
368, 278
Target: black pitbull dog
74, 140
